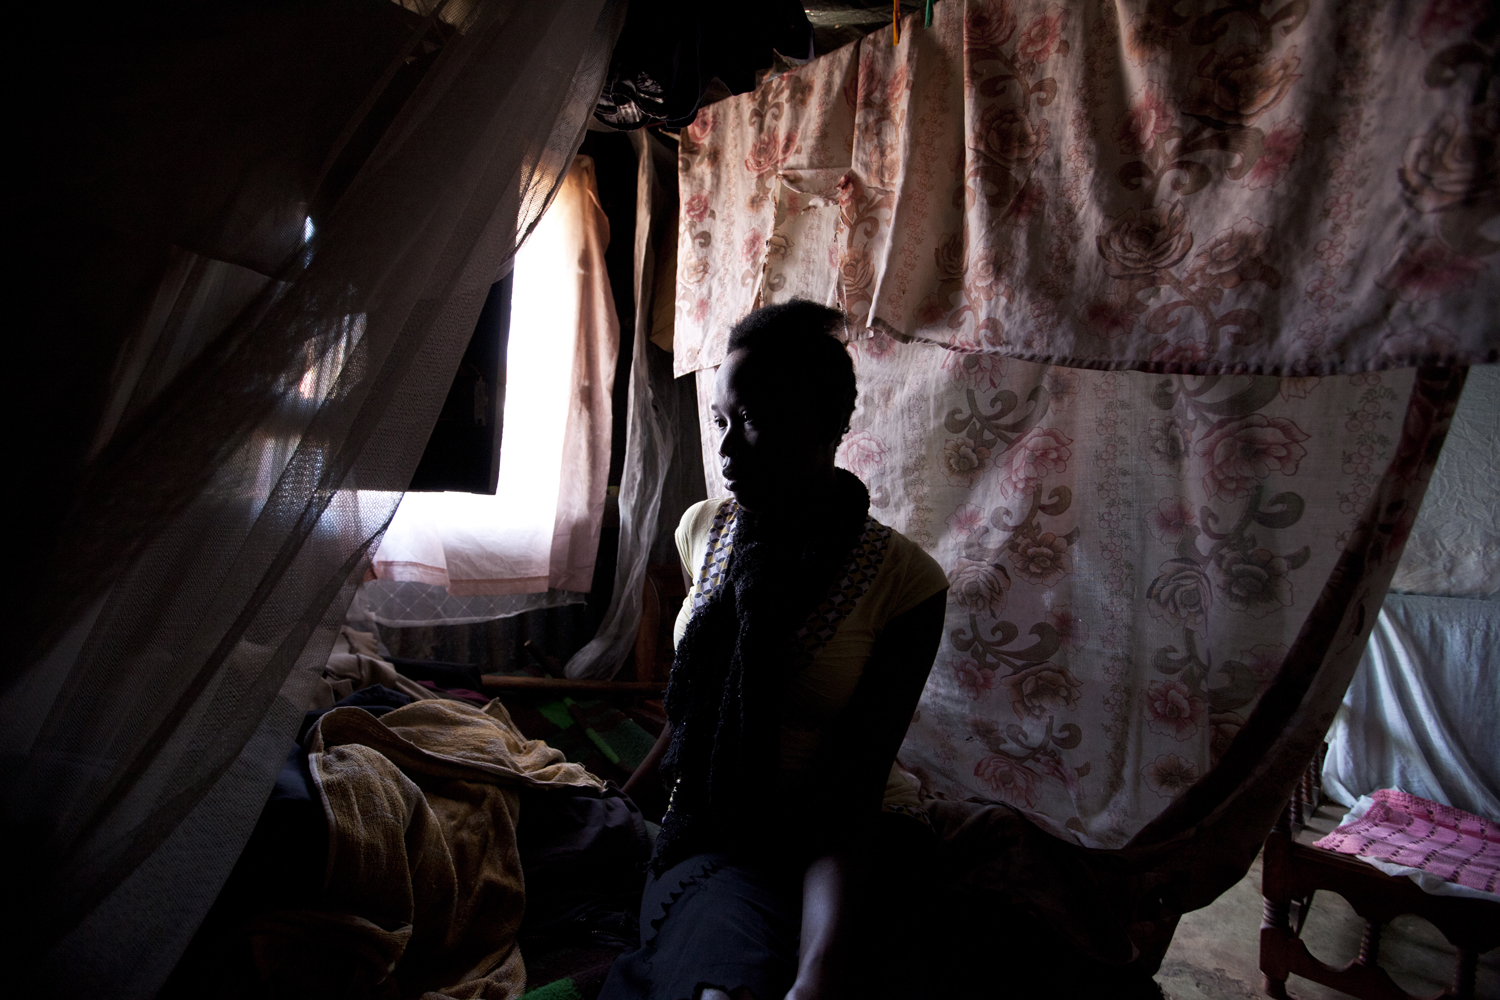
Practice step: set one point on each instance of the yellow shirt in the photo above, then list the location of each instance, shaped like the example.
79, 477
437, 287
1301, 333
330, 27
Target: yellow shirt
817, 694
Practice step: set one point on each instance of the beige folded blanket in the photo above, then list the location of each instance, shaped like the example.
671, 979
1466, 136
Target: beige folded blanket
354, 665
423, 886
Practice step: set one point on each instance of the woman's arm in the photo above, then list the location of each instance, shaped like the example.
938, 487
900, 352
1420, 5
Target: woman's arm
820, 956
648, 767
865, 744
652, 763
870, 729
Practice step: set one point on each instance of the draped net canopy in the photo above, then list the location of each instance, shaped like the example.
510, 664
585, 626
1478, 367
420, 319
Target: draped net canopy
259, 237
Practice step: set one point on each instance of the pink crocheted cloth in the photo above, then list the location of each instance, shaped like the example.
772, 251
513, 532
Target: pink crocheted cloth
1403, 829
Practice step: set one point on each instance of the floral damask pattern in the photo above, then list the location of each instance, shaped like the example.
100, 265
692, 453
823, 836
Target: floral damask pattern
758, 184
1258, 186
1112, 620
1113, 623
1130, 554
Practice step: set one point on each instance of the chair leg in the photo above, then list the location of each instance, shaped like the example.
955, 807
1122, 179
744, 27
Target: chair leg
1468, 969
1275, 920
1369, 944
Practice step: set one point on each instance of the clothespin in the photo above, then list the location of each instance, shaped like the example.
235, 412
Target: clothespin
896, 22
927, 17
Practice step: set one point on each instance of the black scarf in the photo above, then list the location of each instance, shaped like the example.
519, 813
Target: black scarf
731, 669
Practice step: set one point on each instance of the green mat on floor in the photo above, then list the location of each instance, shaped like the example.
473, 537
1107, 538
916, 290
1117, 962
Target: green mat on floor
567, 973
616, 748
561, 989
608, 742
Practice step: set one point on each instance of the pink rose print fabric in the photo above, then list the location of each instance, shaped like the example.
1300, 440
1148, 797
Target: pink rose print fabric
759, 183
1128, 366
1289, 190
1130, 560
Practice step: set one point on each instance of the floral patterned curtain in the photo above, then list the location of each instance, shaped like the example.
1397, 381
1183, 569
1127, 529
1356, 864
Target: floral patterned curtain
1289, 188
1130, 558
1161, 578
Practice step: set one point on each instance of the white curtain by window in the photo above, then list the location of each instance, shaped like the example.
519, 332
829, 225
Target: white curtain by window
449, 558
650, 432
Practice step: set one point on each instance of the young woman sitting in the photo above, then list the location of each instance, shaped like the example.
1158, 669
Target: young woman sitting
802, 649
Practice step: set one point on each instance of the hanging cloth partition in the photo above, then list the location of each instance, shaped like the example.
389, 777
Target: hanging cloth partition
1161, 579
1298, 189
228, 397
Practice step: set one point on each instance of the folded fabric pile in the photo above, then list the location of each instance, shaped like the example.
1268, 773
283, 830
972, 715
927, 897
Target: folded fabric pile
390, 862
357, 663
424, 893
1401, 834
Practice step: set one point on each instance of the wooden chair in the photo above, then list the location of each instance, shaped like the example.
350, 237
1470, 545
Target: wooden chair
1294, 869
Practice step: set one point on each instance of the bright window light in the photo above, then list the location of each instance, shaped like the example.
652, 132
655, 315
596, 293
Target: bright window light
539, 365
508, 536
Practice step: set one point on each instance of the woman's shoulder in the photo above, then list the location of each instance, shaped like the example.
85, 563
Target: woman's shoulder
912, 557
911, 574
692, 531
698, 518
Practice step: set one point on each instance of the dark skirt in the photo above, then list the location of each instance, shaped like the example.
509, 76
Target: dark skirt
733, 923
729, 921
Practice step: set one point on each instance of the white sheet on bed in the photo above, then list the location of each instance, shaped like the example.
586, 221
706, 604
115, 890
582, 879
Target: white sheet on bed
1423, 711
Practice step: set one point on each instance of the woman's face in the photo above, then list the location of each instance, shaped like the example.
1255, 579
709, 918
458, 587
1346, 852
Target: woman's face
771, 454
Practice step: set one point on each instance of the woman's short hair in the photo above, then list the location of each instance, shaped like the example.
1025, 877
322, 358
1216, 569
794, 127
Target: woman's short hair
812, 368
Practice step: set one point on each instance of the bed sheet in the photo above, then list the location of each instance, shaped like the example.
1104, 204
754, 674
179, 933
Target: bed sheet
1423, 711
